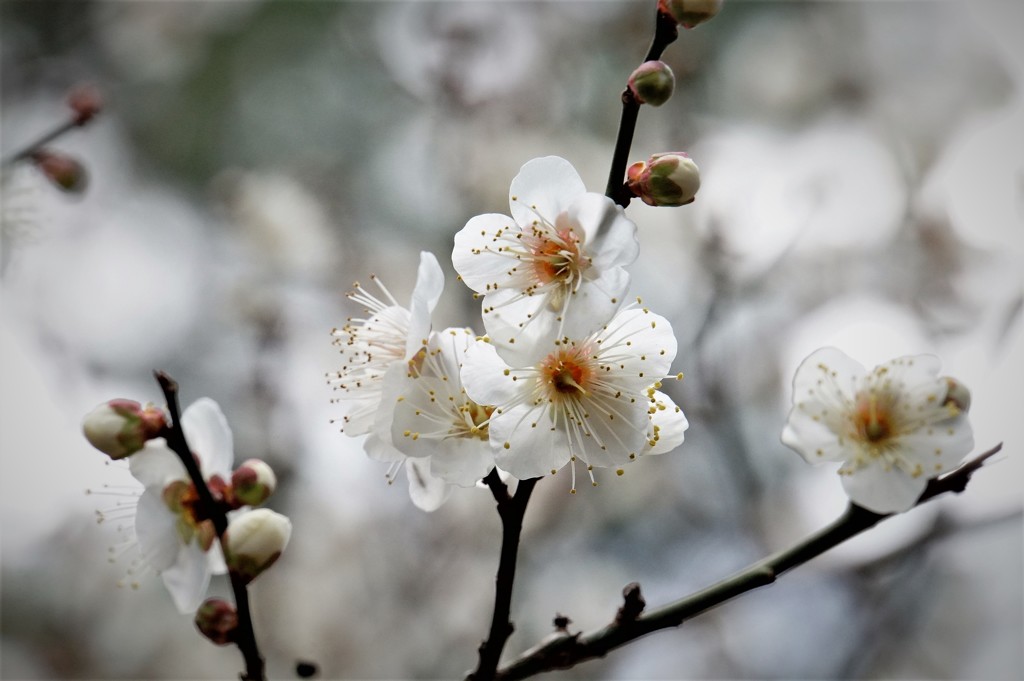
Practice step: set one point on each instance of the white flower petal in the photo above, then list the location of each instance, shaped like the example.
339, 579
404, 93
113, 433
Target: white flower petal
484, 378
462, 461
426, 491
670, 422
426, 293
883, 490
610, 238
209, 437
537, 450
813, 440
640, 345
544, 186
475, 257
939, 448
188, 578
155, 465
156, 531
379, 449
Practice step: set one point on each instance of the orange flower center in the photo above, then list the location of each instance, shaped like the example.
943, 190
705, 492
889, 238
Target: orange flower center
558, 259
568, 371
873, 417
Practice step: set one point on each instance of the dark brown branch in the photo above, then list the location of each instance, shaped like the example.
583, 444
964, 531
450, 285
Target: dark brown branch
511, 509
567, 651
245, 637
665, 33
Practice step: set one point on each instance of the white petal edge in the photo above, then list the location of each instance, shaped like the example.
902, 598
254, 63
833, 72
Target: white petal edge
209, 437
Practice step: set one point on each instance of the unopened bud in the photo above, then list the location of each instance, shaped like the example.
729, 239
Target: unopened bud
957, 394
217, 620
668, 179
254, 540
85, 102
652, 83
119, 428
253, 482
61, 170
689, 13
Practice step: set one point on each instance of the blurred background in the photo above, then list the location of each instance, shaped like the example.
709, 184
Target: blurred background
863, 186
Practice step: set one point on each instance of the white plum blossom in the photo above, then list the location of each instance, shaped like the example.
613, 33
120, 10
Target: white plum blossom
173, 541
893, 428
389, 334
592, 398
554, 267
428, 422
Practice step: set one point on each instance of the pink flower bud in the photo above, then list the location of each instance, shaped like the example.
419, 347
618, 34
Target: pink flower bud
689, 13
61, 170
252, 483
667, 179
652, 83
119, 428
254, 540
217, 620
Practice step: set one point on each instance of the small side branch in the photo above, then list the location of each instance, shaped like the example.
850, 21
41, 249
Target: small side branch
569, 650
665, 33
85, 104
511, 508
245, 637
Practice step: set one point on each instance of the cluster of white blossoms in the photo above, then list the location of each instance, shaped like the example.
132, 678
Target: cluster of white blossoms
175, 536
565, 374
568, 374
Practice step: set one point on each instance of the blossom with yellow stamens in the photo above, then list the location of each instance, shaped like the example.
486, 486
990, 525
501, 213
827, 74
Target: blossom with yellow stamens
587, 398
893, 428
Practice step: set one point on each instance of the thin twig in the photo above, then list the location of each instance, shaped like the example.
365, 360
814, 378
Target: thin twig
665, 33
566, 651
245, 637
511, 509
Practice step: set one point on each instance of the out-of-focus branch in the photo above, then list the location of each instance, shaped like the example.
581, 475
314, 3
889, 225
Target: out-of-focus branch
665, 33
84, 102
562, 652
511, 508
245, 637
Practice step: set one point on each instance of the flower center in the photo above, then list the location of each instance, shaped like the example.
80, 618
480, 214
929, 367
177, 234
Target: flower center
476, 418
873, 417
558, 259
182, 499
568, 372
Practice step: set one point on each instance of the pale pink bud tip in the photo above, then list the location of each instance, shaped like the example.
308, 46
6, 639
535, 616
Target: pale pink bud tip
61, 170
652, 83
217, 620
253, 483
667, 179
85, 102
254, 541
690, 13
119, 428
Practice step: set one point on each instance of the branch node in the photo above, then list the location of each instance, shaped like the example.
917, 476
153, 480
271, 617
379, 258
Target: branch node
633, 604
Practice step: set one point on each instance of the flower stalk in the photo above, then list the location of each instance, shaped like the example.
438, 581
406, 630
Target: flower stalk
244, 636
